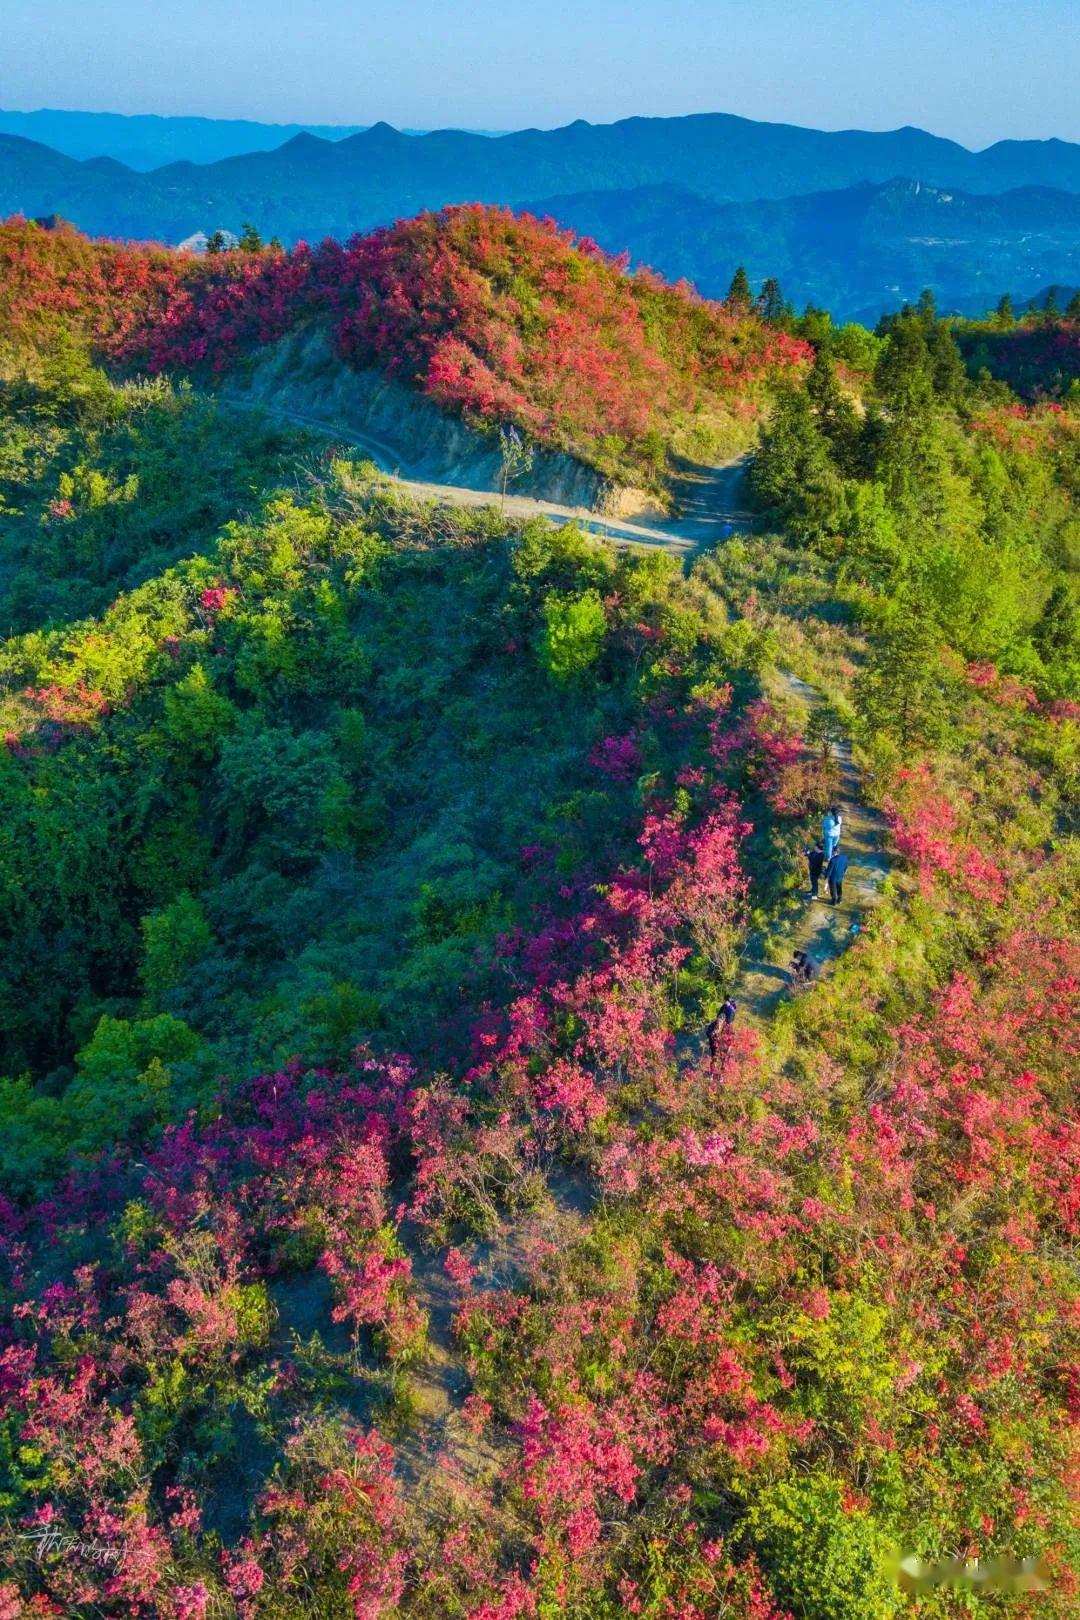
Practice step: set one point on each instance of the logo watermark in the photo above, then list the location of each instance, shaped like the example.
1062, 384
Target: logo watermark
974, 1574
49, 1542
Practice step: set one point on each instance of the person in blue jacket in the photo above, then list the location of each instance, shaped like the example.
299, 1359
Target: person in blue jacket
834, 877
831, 824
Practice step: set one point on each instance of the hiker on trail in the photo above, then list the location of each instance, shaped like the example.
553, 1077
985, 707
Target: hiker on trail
815, 860
804, 970
834, 877
719, 1031
831, 824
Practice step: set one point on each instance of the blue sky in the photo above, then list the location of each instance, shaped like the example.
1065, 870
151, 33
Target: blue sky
977, 70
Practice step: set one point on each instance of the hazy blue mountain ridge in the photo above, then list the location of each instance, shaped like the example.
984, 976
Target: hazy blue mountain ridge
149, 140
856, 251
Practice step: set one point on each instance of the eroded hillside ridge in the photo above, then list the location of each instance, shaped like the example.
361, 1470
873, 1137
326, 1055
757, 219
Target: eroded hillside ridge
495, 318
301, 378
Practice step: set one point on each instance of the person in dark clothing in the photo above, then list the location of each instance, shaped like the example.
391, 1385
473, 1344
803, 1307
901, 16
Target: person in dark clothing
834, 877
719, 1031
815, 860
805, 970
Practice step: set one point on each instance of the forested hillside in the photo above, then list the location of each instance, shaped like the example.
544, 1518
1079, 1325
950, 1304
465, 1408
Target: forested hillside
378, 1236
1036, 352
858, 250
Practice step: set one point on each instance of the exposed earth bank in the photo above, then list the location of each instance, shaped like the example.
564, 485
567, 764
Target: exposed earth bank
300, 381
302, 377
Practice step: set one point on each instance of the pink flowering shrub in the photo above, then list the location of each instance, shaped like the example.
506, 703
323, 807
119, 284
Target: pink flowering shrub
496, 316
618, 757
925, 826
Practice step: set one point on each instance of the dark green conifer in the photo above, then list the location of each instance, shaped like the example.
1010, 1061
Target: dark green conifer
740, 292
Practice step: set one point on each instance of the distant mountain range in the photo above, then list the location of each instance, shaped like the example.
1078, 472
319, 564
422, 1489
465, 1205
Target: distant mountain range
146, 141
1063, 295
851, 219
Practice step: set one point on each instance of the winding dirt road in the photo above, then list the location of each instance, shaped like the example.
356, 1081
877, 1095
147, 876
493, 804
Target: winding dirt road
712, 505
711, 501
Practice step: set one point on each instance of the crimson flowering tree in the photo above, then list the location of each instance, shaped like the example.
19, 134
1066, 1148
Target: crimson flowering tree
925, 826
57, 282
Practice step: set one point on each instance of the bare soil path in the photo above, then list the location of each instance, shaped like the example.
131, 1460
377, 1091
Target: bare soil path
710, 500
826, 931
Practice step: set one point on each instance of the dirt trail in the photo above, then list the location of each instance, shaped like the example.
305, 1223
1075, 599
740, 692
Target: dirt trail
439, 1382
710, 500
822, 929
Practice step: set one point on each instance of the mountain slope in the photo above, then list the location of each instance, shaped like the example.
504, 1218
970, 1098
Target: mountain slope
858, 251
379, 1236
493, 317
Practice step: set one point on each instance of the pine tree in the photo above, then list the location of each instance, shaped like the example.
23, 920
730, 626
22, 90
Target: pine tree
900, 692
910, 455
739, 292
836, 416
1072, 312
771, 302
815, 325
946, 363
250, 240
792, 472
215, 243
1057, 633
1006, 315
902, 375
